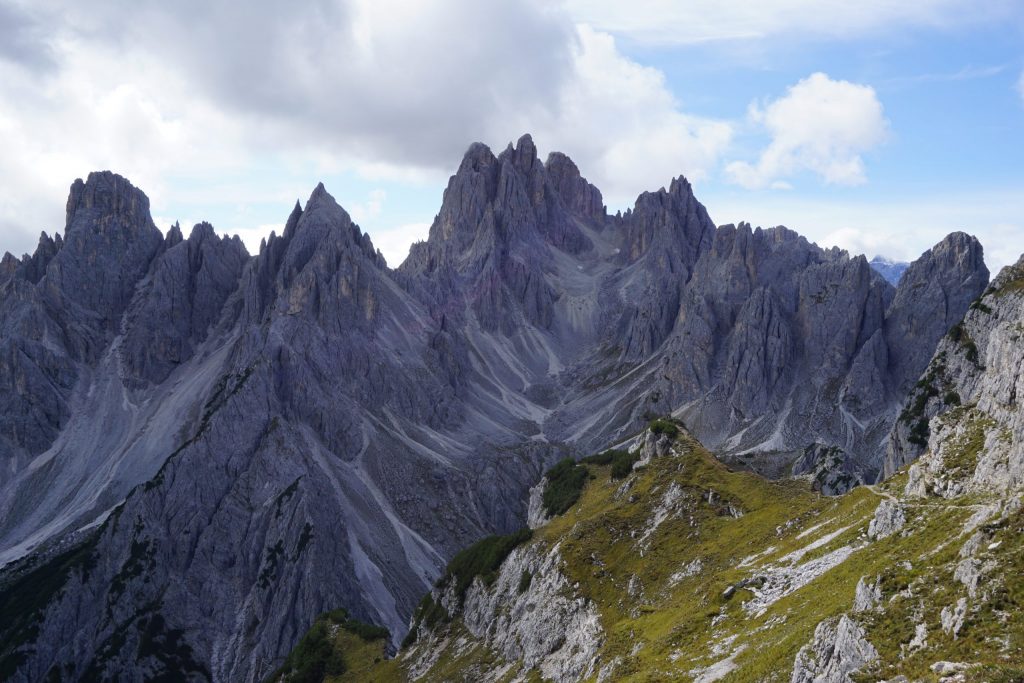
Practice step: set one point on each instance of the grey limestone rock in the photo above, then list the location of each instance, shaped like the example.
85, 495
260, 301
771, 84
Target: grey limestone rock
889, 519
839, 649
546, 626
952, 618
535, 515
868, 596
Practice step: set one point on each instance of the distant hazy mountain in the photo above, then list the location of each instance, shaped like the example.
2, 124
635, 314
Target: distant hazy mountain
201, 450
889, 269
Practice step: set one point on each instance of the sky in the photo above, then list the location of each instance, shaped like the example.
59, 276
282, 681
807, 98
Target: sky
877, 126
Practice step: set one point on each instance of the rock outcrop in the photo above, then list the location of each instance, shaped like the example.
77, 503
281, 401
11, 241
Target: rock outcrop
839, 649
544, 624
889, 519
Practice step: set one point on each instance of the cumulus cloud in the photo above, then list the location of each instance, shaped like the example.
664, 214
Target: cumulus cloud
89, 114
187, 98
381, 80
821, 125
621, 124
697, 21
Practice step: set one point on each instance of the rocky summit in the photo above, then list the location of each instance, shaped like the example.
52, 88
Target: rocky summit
202, 450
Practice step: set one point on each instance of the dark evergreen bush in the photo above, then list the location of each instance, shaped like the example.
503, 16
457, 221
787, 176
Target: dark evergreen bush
565, 484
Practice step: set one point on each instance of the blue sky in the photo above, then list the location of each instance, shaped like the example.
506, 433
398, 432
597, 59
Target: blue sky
877, 126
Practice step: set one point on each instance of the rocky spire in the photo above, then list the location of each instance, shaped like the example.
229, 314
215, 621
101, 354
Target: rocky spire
294, 271
185, 297
671, 221
105, 195
932, 296
110, 241
579, 196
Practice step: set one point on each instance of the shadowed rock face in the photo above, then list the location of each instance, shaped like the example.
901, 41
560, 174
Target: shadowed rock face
269, 437
969, 394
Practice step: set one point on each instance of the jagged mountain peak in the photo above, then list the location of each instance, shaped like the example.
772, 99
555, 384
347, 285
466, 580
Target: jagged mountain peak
958, 251
477, 157
680, 187
174, 236
321, 199
321, 222
202, 232
578, 195
105, 193
671, 221
523, 155
932, 296
32, 267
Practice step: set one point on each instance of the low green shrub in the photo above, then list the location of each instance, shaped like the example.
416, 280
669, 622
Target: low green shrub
368, 632
314, 658
565, 484
622, 464
664, 426
602, 458
428, 614
525, 580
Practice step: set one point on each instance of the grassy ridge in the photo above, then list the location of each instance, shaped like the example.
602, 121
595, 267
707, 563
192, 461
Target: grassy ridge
656, 552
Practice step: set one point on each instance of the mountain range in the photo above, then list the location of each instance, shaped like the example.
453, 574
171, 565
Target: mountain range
201, 450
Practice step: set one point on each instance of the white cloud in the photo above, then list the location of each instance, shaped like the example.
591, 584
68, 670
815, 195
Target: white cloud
697, 21
623, 127
394, 242
1020, 86
820, 125
369, 209
392, 90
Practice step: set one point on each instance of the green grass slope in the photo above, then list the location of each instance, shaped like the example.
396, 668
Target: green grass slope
703, 573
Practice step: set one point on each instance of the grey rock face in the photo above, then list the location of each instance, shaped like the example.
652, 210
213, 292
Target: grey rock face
307, 428
889, 519
535, 514
546, 626
828, 470
933, 295
181, 300
839, 649
781, 340
868, 596
109, 242
952, 618
61, 307
963, 413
